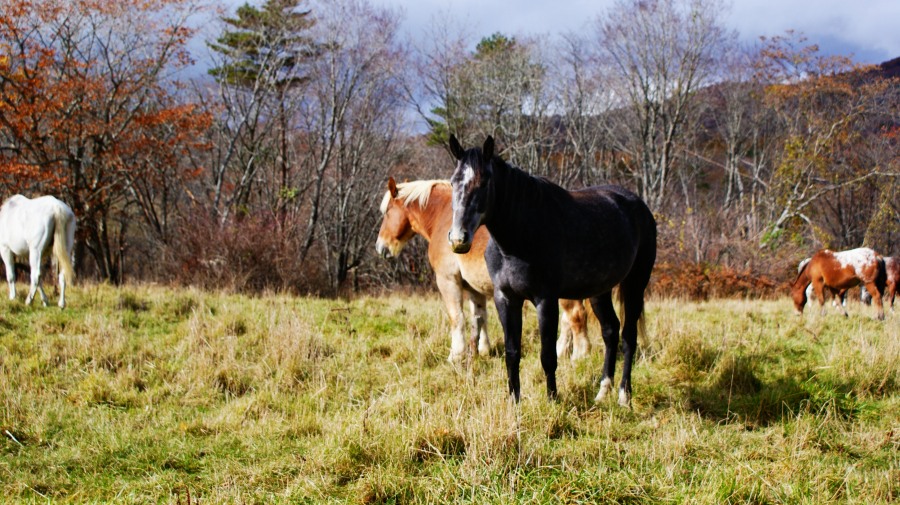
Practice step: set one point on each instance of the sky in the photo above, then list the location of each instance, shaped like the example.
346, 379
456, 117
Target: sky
866, 29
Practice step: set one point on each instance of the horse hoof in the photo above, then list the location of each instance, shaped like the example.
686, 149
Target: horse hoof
624, 399
605, 388
456, 357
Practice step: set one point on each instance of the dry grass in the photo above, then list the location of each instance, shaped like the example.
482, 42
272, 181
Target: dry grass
150, 394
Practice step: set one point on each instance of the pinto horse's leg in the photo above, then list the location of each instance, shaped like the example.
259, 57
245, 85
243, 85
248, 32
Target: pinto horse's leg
838, 300
872, 288
480, 338
9, 262
819, 289
510, 313
451, 292
548, 322
609, 328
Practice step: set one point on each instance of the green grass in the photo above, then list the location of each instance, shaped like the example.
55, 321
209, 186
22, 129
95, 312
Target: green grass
150, 394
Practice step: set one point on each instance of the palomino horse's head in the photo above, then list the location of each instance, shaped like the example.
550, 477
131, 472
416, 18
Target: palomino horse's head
396, 230
471, 182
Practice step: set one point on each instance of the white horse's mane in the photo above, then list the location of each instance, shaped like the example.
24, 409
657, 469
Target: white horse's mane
413, 191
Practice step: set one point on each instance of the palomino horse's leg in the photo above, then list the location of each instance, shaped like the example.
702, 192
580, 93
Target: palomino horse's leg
609, 328
581, 346
9, 262
876, 298
548, 322
564, 341
35, 259
477, 303
452, 294
510, 315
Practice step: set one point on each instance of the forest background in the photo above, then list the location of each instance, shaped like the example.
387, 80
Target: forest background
267, 172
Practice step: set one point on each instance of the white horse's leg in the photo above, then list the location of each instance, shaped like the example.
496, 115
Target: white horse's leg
9, 262
35, 260
477, 303
451, 292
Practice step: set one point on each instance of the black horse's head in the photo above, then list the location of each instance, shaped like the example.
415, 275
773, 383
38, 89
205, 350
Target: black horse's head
471, 183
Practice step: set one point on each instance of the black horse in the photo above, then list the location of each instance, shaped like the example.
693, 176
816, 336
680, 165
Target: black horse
548, 243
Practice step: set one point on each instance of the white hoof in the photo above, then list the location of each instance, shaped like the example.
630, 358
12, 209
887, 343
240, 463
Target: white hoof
605, 388
562, 345
624, 399
456, 356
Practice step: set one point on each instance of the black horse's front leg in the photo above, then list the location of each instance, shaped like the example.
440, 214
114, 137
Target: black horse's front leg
548, 323
510, 313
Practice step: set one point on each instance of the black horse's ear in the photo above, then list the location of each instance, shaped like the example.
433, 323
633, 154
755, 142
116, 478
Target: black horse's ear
488, 149
392, 187
455, 149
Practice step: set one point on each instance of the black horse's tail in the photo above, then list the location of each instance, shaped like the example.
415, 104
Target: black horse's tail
632, 291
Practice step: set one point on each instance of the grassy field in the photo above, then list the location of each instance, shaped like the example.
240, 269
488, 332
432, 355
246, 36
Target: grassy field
158, 395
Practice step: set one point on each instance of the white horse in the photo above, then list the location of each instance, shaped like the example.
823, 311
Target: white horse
28, 229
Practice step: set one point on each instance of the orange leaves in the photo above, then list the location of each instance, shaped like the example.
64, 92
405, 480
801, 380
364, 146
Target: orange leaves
80, 95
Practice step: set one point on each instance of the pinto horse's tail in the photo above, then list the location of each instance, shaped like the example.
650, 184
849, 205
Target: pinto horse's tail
63, 237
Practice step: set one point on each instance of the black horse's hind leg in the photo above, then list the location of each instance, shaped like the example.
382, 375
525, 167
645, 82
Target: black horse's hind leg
631, 291
633, 309
548, 322
510, 314
609, 327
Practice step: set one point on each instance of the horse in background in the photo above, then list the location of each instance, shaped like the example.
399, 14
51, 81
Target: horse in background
892, 272
838, 272
30, 230
548, 243
424, 208
841, 298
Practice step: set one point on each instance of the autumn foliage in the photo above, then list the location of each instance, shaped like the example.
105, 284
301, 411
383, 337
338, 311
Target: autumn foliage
87, 112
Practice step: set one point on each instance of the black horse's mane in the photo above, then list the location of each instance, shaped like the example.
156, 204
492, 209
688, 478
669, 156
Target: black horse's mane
529, 185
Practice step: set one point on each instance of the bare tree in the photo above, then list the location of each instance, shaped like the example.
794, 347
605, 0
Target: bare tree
351, 124
658, 52
581, 102
261, 67
500, 89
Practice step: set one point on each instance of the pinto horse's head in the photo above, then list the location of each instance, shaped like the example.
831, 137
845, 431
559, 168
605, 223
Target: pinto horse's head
396, 229
471, 182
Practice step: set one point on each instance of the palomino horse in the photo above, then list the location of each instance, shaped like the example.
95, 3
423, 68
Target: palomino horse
423, 207
29, 230
548, 243
838, 272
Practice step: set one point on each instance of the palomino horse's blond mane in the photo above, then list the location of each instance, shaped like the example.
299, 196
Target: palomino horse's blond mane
413, 191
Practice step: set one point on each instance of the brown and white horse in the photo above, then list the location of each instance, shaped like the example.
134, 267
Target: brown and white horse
892, 270
424, 208
838, 272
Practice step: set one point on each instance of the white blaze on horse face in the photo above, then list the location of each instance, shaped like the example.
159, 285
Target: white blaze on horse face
468, 175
